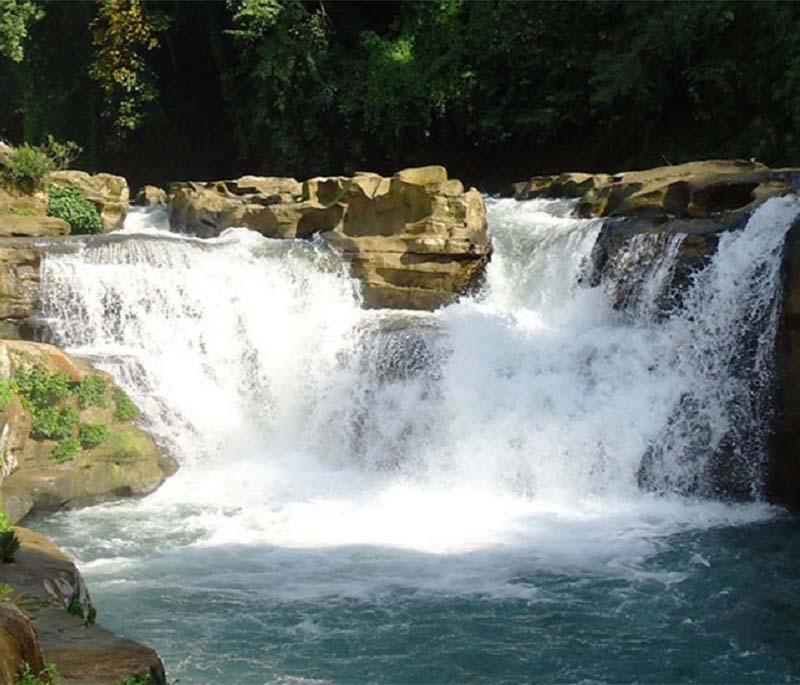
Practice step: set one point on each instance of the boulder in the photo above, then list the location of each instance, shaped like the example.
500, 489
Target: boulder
151, 196
692, 190
126, 463
415, 240
45, 584
107, 192
19, 643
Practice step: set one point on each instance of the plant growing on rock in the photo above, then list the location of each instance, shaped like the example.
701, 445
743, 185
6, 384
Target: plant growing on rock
5, 392
92, 392
9, 546
91, 435
125, 409
69, 203
47, 676
142, 679
65, 450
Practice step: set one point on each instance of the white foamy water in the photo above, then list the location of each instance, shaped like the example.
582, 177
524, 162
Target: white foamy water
535, 416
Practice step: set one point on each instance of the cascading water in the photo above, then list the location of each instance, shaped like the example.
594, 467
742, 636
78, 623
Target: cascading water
480, 493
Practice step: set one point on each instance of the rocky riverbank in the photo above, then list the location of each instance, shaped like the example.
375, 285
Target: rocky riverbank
68, 439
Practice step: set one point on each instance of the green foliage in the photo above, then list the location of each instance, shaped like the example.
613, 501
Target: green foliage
91, 435
39, 388
47, 676
6, 592
5, 521
24, 168
53, 423
92, 392
16, 16
75, 608
141, 679
65, 450
5, 392
122, 33
9, 546
125, 409
61, 152
69, 203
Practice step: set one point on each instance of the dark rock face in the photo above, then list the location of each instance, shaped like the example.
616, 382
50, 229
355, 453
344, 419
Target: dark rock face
784, 467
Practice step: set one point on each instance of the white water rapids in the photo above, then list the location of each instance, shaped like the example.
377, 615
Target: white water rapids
525, 417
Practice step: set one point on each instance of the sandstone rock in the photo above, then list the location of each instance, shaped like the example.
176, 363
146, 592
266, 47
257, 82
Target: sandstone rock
50, 590
19, 279
128, 463
415, 240
19, 643
692, 190
151, 196
33, 226
109, 193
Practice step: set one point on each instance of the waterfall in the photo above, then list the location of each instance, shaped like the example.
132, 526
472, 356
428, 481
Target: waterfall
255, 364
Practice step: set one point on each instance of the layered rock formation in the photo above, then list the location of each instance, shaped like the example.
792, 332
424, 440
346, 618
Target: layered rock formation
126, 462
47, 616
692, 190
415, 240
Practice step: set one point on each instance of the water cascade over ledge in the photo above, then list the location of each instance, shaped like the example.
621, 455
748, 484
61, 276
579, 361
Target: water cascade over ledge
343, 460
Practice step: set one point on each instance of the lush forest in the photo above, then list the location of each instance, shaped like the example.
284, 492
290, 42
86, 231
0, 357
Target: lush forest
495, 90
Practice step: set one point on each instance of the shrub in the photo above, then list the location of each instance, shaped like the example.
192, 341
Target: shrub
92, 392
125, 410
47, 676
9, 545
61, 152
53, 423
65, 450
25, 168
69, 203
39, 388
91, 435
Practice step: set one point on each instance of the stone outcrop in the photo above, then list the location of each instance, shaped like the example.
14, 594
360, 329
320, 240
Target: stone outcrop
126, 463
26, 215
19, 279
108, 193
415, 240
151, 196
49, 613
692, 190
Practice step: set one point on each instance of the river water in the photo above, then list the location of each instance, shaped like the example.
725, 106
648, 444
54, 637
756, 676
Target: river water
523, 486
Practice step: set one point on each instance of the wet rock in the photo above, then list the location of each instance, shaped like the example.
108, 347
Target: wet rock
151, 196
784, 465
48, 590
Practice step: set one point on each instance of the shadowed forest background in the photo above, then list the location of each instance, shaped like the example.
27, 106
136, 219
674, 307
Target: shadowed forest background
496, 91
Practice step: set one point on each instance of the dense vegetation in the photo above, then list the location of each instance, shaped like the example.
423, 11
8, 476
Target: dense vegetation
495, 90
